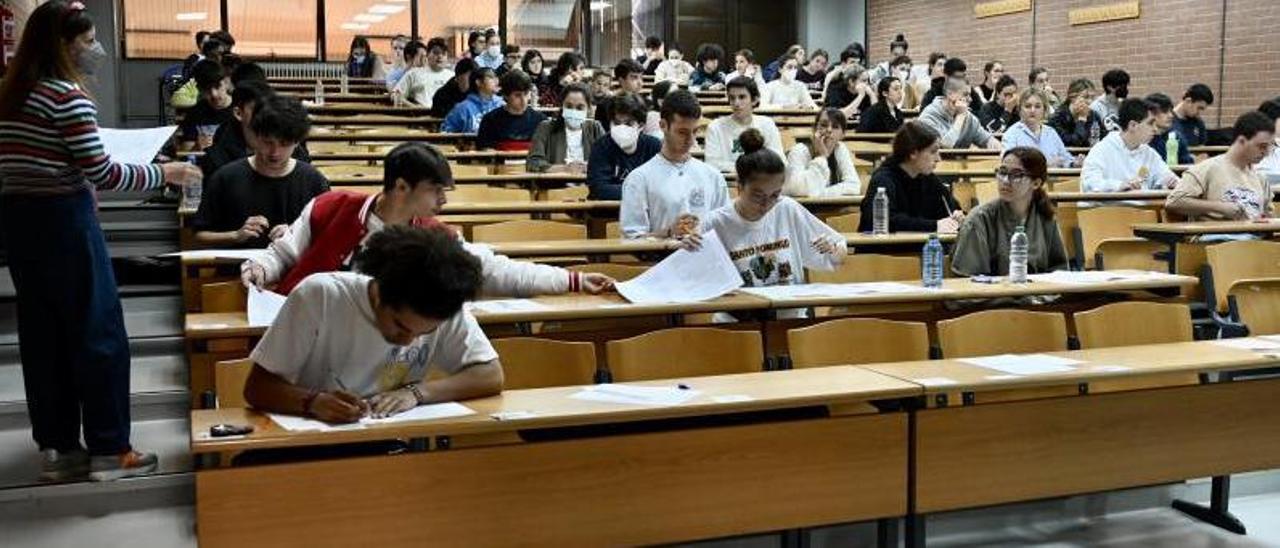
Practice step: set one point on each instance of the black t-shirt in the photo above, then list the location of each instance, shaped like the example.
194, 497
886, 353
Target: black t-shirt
202, 114
448, 96
879, 119
812, 81
499, 128
237, 192
229, 145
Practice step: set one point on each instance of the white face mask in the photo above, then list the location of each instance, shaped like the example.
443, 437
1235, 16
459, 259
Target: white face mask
574, 118
495, 51
625, 136
788, 75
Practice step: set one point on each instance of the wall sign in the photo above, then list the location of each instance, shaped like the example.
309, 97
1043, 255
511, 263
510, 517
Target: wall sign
1101, 14
1001, 7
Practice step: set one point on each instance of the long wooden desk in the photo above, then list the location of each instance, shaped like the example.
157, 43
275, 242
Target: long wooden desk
1174, 235
374, 120
803, 446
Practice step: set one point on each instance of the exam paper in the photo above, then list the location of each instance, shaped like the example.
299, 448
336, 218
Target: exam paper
303, 424
134, 146
497, 306
636, 395
241, 254
780, 292
686, 276
1024, 364
419, 413
1093, 276
263, 307
1250, 343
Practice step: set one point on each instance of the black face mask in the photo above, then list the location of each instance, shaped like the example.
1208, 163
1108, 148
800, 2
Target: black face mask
1122, 92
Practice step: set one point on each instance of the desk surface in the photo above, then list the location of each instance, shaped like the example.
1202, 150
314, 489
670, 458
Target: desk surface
938, 376
866, 239
1207, 227
838, 385
1142, 195
372, 120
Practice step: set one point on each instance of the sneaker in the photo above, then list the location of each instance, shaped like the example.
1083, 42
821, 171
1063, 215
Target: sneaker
124, 465
63, 465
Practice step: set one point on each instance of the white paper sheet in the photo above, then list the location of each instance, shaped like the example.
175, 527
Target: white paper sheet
936, 381
498, 306
782, 292
134, 146
1094, 276
233, 254
300, 424
686, 276
419, 413
1250, 343
1024, 364
263, 307
636, 395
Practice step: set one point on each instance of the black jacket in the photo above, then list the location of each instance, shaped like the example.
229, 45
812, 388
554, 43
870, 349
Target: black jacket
915, 204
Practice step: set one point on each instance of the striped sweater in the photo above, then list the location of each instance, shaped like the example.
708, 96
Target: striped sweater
51, 147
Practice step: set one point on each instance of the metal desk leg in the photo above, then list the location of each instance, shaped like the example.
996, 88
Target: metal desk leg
886, 532
1217, 513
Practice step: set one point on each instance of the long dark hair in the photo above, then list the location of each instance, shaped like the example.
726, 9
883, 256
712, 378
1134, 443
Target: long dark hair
56, 20
1037, 167
837, 119
911, 138
365, 68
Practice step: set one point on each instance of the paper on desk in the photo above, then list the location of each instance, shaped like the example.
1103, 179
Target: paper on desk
831, 290
498, 306
302, 424
1024, 364
1093, 276
1250, 343
636, 395
423, 413
263, 307
686, 276
241, 254
134, 146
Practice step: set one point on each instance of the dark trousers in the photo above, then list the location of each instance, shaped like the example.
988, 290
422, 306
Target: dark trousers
71, 336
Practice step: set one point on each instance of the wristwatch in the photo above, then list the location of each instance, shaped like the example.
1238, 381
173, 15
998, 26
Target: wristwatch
417, 392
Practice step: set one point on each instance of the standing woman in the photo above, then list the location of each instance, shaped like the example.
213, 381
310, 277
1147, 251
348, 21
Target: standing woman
74, 349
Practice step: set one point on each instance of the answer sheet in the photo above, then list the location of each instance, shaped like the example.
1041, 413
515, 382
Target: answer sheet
231, 254
636, 395
419, 413
1095, 276
832, 290
1024, 364
686, 276
498, 306
263, 307
134, 146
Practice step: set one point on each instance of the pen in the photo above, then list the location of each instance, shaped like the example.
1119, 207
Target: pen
947, 205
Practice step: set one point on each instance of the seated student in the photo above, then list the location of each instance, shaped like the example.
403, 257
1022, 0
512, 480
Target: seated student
814, 72
532, 64
897, 48
334, 226
212, 110
823, 166
707, 73
675, 68
347, 345
1031, 131
884, 116
1122, 160
246, 72
626, 148
744, 64
202, 36
851, 92
1039, 78
722, 147
653, 55
630, 77
563, 144
250, 202
786, 91
569, 69
491, 56
230, 144
668, 195
936, 77
1269, 167
1164, 119
511, 126
397, 67
771, 238
1226, 187
982, 248
483, 99
455, 90
601, 86
1076, 123
362, 62
774, 69
850, 58
1115, 85
986, 92
1002, 111
510, 60
949, 116
1187, 121
427, 73
918, 201
652, 121
475, 45
952, 68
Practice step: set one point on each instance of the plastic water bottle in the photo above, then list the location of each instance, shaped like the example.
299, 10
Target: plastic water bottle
1171, 149
193, 190
1018, 256
342, 84
932, 262
319, 93
880, 214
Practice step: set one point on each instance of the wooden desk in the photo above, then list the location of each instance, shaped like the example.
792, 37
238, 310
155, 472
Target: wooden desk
867, 240
484, 486
972, 455
493, 157
392, 137
1175, 235
375, 120
599, 247
365, 108
1155, 196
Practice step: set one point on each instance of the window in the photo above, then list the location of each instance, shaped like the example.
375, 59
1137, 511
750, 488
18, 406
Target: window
453, 19
619, 27
278, 28
377, 20
166, 29
550, 26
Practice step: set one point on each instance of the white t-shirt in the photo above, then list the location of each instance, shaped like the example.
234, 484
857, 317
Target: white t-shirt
779, 94
325, 338
722, 146
420, 84
573, 142
1269, 167
655, 194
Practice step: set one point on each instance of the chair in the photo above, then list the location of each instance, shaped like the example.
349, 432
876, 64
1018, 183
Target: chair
470, 170
1099, 224
1129, 254
1232, 261
870, 268
685, 352
845, 223
1256, 304
538, 363
567, 194
985, 191
229, 379
613, 230
484, 193
223, 297
522, 231
857, 341
1020, 331
1131, 324
619, 272
1067, 185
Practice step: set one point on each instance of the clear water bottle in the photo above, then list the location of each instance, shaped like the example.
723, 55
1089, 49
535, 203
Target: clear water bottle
319, 99
1171, 149
193, 190
1018, 256
342, 84
1095, 134
932, 262
880, 213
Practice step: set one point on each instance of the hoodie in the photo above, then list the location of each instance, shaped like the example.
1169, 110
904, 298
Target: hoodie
465, 116
1110, 164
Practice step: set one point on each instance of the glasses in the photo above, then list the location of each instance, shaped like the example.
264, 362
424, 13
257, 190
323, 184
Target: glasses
1007, 175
